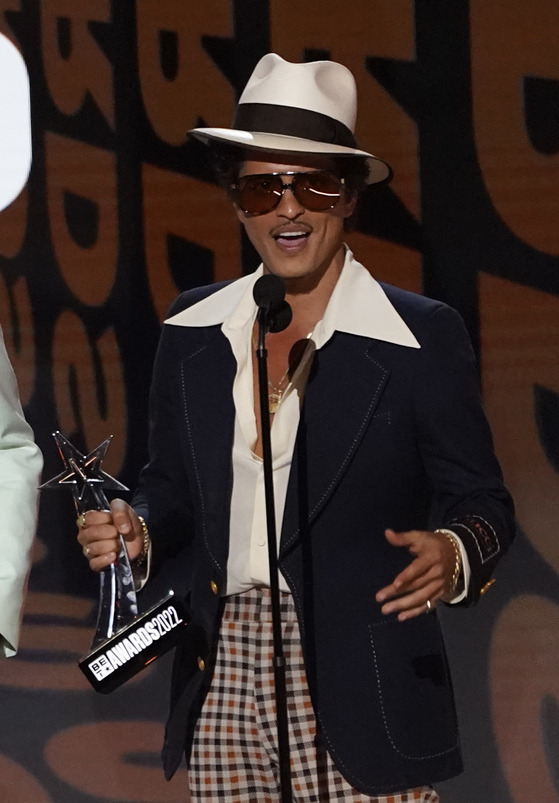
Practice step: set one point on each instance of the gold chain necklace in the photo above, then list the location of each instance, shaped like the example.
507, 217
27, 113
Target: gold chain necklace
277, 392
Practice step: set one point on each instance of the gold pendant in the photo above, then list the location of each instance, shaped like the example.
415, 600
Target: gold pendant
274, 402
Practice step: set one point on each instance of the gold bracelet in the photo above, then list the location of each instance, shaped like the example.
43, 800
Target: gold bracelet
457, 560
141, 558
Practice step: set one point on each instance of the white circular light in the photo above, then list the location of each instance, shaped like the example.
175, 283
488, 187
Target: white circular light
15, 123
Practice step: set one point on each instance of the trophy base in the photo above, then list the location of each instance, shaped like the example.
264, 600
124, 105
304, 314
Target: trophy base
148, 636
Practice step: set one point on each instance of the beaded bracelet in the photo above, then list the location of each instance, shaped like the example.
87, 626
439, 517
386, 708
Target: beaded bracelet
457, 560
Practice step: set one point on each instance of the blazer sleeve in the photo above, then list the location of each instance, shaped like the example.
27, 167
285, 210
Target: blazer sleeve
163, 496
457, 448
163, 493
21, 463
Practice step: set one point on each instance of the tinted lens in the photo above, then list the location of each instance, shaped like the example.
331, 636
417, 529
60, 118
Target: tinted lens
317, 191
259, 194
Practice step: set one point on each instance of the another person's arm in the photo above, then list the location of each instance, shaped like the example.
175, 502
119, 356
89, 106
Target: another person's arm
21, 463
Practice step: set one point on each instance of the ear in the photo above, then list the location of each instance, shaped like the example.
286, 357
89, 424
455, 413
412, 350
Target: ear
239, 212
350, 202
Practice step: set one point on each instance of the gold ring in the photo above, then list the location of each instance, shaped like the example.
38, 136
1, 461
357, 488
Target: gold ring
86, 551
429, 606
80, 521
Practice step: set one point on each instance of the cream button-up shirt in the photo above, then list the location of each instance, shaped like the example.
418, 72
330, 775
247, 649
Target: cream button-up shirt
358, 306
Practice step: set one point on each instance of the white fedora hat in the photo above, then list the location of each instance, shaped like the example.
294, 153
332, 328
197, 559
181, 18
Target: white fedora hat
298, 108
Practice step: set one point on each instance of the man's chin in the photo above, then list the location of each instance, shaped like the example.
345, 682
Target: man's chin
292, 273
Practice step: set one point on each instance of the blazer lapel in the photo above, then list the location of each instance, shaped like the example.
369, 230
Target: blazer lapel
342, 394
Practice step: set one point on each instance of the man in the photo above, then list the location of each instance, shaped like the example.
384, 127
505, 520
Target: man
388, 496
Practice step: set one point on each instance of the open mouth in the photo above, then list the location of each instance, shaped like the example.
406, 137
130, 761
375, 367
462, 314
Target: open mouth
291, 237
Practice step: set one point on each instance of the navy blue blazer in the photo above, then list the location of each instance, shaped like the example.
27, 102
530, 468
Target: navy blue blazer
389, 436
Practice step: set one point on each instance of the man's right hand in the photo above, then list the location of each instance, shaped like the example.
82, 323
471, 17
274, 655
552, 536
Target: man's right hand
99, 531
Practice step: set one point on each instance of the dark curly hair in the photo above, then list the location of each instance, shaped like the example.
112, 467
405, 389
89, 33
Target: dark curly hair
227, 160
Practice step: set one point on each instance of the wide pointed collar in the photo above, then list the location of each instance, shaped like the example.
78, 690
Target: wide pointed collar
358, 306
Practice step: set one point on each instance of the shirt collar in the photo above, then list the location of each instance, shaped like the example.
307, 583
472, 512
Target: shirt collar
233, 304
358, 306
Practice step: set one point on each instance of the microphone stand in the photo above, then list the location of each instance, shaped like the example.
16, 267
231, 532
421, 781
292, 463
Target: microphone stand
279, 658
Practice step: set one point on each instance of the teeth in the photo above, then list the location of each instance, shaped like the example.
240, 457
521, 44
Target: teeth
291, 235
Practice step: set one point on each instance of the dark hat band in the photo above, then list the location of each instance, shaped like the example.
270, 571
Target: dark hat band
268, 118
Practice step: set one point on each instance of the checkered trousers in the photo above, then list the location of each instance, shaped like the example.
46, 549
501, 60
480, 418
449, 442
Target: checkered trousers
234, 757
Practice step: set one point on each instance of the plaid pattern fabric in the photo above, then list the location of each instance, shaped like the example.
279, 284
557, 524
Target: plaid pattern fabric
234, 756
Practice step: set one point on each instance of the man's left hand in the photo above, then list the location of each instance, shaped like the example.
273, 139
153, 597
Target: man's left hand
426, 580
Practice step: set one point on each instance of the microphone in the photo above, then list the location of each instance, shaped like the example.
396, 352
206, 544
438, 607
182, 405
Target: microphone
273, 310
269, 292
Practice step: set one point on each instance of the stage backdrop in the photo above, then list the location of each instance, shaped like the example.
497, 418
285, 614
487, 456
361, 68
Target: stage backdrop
120, 214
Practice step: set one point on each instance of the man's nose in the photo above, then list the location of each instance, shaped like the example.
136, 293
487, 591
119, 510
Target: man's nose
289, 206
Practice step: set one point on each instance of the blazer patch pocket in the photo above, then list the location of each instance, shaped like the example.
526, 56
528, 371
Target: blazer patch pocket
413, 686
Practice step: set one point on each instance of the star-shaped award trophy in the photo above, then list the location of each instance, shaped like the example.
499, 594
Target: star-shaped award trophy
124, 642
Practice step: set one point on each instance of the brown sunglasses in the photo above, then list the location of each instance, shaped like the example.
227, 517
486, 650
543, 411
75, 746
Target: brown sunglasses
261, 193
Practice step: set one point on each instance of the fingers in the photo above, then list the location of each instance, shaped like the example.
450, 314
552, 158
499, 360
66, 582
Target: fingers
98, 538
419, 602
398, 539
422, 582
127, 523
414, 540
417, 575
124, 519
99, 530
